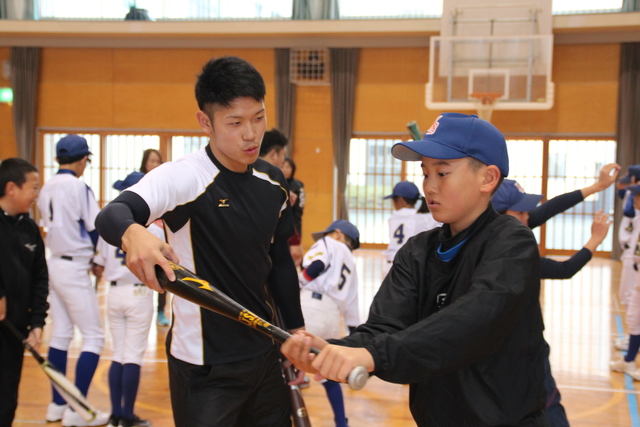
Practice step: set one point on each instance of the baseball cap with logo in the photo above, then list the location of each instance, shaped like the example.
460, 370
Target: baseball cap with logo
633, 170
406, 189
454, 136
131, 179
511, 196
72, 146
343, 225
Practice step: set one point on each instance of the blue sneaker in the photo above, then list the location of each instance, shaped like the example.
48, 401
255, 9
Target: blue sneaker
162, 320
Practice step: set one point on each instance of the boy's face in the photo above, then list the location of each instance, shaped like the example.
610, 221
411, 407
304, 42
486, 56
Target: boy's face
236, 132
456, 193
23, 197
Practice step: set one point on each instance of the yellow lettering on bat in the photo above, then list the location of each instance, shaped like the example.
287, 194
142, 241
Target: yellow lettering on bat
204, 284
252, 320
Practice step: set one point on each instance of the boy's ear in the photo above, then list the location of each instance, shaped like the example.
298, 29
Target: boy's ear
491, 179
10, 188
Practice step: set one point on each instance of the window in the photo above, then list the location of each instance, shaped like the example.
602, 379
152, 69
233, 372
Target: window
114, 156
181, 145
272, 9
372, 174
571, 164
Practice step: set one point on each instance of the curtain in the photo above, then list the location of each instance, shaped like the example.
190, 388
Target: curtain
25, 62
285, 97
315, 9
631, 5
344, 67
628, 149
18, 9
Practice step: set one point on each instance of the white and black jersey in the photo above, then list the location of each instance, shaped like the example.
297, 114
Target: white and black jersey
222, 225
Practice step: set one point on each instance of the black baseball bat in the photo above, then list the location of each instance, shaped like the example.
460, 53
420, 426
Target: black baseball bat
198, 291
60, 382
414, 131
299, 413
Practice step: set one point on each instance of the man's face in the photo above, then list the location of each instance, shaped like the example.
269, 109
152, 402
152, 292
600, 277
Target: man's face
27, 194
236, 132
453, 191
278, 157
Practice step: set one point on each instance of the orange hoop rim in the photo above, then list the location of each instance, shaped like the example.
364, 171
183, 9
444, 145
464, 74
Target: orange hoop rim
486, 98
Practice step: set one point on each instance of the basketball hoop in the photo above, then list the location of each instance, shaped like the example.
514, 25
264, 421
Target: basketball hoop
485, 102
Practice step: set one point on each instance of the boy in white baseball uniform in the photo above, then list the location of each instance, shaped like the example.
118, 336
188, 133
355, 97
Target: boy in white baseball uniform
69, 208
628, 272
329, 290
406, 220
130, 314
628, 364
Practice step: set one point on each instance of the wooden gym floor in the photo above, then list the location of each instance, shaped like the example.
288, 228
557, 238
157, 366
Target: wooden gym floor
582, 317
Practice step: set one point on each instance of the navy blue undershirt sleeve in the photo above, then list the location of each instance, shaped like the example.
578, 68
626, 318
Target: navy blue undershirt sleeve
127, 209
94, 238
283, 283
552, 207
552, 269
314, 269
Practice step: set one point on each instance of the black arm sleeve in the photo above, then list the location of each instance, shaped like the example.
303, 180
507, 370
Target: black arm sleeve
552, 207
38, 304
283, 282
127, 209
552, 269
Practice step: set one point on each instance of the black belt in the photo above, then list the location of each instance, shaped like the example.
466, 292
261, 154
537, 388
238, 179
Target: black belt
316, 295
70, 258
115, 283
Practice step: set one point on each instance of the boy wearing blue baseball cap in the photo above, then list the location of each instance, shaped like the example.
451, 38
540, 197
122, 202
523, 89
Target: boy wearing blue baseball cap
458, 316
406, 221
627, 363
329, 291
511, 199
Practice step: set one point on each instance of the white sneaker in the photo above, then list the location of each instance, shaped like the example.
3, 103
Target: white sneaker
628, 368
622, 344
73, 419
54, 412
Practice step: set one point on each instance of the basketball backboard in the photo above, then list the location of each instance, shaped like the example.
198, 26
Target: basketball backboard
492, 47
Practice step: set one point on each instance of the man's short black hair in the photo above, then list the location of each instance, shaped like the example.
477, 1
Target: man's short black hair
224, 79
272, 139
14, 170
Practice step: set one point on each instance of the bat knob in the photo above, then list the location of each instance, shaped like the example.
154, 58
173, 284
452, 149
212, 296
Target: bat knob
358, 378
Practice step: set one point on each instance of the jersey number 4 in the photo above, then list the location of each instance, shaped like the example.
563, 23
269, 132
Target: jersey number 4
399, 234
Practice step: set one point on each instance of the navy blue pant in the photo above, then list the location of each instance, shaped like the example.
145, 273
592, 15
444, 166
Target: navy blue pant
555, 411
11, 356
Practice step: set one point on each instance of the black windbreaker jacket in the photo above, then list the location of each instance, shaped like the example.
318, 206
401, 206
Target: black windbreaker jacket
23, 271
465, 334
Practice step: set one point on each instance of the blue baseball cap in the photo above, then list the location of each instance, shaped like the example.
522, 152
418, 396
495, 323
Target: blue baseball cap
406, 189
511, 196
72, 146
635, 189
454, 136
131, 179
346, 227
633, 170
